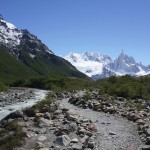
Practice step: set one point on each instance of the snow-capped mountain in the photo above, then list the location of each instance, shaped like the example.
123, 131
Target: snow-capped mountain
97, 65
14, 39
89, 63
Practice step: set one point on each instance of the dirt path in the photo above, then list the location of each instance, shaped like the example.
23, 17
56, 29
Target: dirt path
114, 133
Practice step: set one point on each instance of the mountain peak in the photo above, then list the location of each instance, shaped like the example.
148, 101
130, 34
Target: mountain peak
122, 54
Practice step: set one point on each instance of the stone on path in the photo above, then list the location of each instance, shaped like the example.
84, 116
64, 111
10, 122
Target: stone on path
62, 140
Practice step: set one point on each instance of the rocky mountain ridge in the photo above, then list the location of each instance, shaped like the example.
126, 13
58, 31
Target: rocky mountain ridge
97, 65
13, 38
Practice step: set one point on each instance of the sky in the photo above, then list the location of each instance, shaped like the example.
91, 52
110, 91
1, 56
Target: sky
105, 26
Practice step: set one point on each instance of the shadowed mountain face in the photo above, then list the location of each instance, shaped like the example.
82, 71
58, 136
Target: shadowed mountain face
97, 65
20, 47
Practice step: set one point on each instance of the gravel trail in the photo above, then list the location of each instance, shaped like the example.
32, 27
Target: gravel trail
114, 133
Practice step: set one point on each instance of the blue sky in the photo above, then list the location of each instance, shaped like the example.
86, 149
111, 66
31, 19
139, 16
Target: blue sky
105, 26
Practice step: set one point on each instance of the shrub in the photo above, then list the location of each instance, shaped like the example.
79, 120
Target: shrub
87, 96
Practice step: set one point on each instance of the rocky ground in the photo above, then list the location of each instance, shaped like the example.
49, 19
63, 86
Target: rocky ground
137, 111
113, 133
83, 124
52, 127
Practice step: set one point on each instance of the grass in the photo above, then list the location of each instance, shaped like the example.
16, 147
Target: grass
11, 136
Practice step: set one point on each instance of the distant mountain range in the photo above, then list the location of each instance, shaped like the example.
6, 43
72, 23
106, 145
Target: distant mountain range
23, 55
96, 65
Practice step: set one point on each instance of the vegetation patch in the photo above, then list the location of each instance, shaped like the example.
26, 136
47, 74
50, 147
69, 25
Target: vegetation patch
2, 86
11, 135
87, 96
124, 86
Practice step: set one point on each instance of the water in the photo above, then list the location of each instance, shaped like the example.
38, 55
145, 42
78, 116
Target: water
39, 95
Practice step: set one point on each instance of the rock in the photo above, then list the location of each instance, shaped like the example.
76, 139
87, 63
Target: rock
81, 102
63, 140
148, 132
53, 107
62, 95
73, 100
75, 140
148, 140
46, 122
40, 145
88, 133
65, 109
140, 122
61, 131
73, 126
146, 147
90, 105
44, 148
81, 130
47, 115
39, 114
111, 110
14, 115
84, 120
71, 117
91, 143
112, 133
133, 116
91, 127
77, 146
84, 140
42, 138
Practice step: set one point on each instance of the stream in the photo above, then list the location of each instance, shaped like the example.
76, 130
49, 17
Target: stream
23, 97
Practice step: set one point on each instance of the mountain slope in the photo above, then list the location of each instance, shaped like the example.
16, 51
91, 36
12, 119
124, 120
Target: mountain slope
11, 69
97, 65
31, 54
